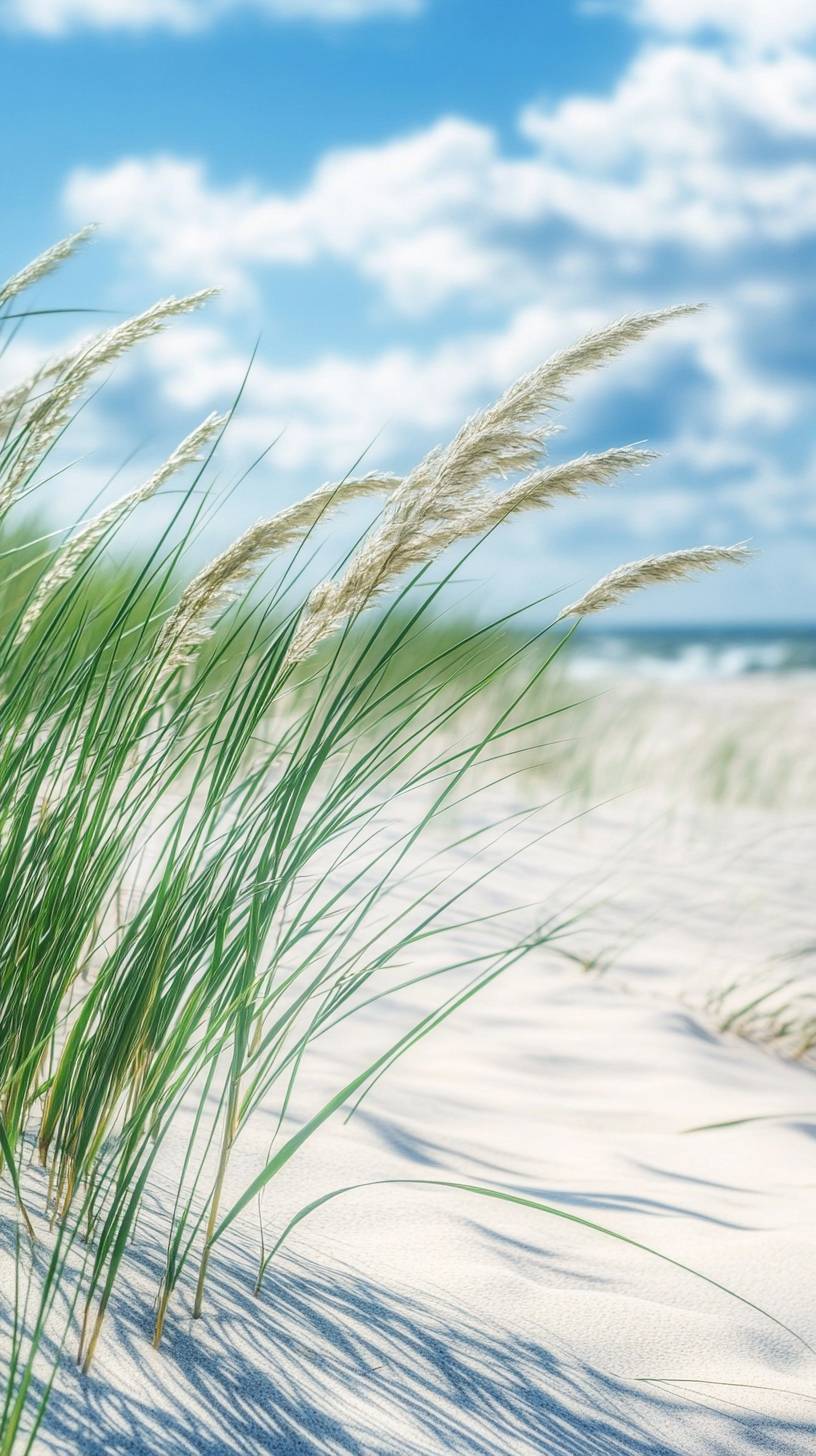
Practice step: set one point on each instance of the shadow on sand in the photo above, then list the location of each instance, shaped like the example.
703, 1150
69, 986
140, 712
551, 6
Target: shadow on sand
330, 1364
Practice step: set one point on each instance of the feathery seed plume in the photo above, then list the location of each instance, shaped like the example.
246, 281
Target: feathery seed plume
484, 510
13, 399
45, 263
544, 487
216, 585
651, 571
499, 440
444, 498
542, 387
77, 549
332, 602
53, 412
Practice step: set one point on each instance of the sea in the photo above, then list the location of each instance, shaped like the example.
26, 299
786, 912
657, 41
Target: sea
686, 653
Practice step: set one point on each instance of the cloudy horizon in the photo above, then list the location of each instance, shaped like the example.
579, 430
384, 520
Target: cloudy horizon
411, 203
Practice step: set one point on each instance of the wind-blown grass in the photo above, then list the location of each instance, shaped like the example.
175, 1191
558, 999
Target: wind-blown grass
775, 1010
744, 744
194, 863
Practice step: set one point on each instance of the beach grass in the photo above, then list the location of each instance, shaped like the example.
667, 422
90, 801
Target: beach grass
201, 814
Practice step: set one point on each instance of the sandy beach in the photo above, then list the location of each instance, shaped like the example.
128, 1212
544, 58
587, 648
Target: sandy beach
407, 724
415, 1319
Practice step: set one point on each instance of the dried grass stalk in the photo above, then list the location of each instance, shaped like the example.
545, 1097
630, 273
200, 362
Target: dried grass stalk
44, 264
444, 499
217, 584
652, 571
544, 487
53, 412
69, 560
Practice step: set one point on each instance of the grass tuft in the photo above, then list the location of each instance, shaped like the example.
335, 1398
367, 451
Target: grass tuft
202, 819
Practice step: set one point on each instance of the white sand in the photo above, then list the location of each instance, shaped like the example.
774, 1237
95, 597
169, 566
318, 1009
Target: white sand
414, 1320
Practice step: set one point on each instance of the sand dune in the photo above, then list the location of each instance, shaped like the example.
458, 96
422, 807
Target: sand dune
410, 1319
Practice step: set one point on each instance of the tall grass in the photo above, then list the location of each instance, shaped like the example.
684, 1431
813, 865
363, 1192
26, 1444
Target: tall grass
689, 745
200, 818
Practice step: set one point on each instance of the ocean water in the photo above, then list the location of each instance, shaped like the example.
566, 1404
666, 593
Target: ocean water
692, 652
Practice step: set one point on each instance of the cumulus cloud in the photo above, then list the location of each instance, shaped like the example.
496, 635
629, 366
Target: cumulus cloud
668, 156
60, 17
412, 215
329, 409
773, 23
398, 401
694, 175
667, 159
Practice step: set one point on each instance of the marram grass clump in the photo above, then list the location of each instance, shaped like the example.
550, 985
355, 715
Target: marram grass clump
195, 865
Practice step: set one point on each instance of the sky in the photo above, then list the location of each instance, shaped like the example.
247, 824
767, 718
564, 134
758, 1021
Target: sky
406, 204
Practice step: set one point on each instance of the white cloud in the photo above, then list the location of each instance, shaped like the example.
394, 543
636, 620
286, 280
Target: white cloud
330, 409
701, 156
658, 161
763, 23
402, 400
668, 158
405, 214
59, 17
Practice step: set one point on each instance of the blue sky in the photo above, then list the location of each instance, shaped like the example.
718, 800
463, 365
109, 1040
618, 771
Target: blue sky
413, 202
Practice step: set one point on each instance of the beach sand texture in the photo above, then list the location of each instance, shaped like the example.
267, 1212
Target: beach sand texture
417, 1321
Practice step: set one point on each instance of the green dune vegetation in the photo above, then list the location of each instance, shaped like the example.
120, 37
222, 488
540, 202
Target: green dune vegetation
204, 797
